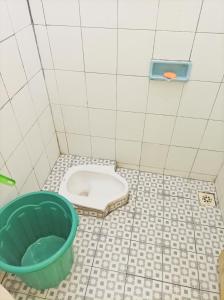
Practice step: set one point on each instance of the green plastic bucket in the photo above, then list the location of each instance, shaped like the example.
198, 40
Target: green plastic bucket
37, 231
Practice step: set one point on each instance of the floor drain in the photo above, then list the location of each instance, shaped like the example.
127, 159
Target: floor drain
206, 199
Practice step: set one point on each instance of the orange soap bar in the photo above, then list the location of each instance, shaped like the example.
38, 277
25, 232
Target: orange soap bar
170, 75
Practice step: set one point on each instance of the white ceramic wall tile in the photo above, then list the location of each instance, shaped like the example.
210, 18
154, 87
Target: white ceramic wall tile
176, 173
100, 49
11, 66
214, 136
188, 132
52, 151
30, 185
71, 87
58, 118
99, 13
199, 176
154, 155
7, 192
132, 93
137, 15
34, 144
218, 109
208, 162
42, 169
79, 144
19, 165
158, 129
66, 47
197, 99
207, 57
59, 12
178, 15
3, 94
180, 158
212, 16
39, 93
76, 119
173, 45
102, 122
24, 109
44, 46
28, 50
5, 23
128, 152
134, 51
62, 141
130, 126
51, 82
101, 90
37, 11
46, 126
103, 148
164, 97
9, 133
19, 13
1, 161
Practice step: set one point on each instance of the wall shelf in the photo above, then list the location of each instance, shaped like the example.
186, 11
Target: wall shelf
181, 69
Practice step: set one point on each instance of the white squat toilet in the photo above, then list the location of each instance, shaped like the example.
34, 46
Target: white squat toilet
94, 190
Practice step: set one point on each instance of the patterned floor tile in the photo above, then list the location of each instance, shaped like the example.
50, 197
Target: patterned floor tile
14, 284
208, 216
208, 272
150, 205
90, 224
19, 296
180, 267
178, 209
178, 292
118, 223
147, 229
105, 285
209, 240
176, 186
112, 254
139, 288
145, 260
131, 176
209, 296
149, 184
179, 235
131, 205
85, 245
201, 185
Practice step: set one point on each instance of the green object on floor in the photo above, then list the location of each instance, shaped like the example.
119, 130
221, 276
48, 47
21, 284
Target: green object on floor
37, 231
6, 180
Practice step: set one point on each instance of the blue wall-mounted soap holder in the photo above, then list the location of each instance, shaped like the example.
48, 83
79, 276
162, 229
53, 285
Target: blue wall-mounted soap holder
181, 69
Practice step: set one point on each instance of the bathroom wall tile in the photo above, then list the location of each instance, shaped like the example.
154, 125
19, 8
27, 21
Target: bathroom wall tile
79, 144
34, 144
6, 25
154, 155
19, 165
28, 50
132, 93
100, 49
7, 192
66, 47
158, 129
134, 51
11, 66
102, 122
9, 135
101, 90
188, 132
184, 174
19, 13
177, 15
164, 97
76, 119
99, 13
130, 126
30, 185
207, 57
44, 46
52, 87
58, 118
217, 112
42, 169
197, 99
173, 45
71, 87
208, 162
128, 152
180, 158
59, 12
46, 126
137, 15
24, 109
214, 136
39, 93
103, 148
62, 142
200, 176
52, 150
1, 161
212, 10
37, 11
3, 94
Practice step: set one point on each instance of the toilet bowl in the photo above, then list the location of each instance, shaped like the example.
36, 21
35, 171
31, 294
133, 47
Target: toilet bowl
94, 190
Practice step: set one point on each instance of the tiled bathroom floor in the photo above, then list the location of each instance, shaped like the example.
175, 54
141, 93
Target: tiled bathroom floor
161, 245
